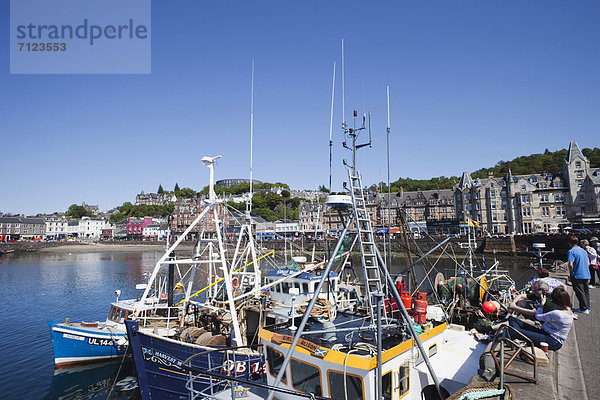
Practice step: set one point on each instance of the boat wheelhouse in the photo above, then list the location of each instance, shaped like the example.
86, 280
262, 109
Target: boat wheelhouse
338, 362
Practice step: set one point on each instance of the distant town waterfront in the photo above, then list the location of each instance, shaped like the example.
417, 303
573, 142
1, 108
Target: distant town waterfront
495, 206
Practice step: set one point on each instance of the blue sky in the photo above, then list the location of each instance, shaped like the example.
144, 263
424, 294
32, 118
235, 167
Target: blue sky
471, 82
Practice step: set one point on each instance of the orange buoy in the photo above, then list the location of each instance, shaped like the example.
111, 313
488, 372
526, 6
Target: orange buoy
235, 282
489, 307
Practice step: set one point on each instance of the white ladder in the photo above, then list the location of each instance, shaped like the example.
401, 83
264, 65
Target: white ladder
368, 252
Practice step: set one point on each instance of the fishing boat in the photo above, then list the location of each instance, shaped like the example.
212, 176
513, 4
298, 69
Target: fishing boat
233, 303
372, 352
85, 342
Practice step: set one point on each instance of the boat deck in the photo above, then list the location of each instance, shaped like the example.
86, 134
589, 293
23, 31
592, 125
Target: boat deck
346, 325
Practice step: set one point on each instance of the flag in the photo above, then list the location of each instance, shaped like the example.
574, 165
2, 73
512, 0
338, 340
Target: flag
472, 223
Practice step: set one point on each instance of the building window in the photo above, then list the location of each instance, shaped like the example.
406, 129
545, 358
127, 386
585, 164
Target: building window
503, 193
579, 183
582, 197
494, 217
580, 174
559, 198
546, 211
544, 198
560, 211
353, 384
522, 188
525, 198
526, 211
577, 164
492, 193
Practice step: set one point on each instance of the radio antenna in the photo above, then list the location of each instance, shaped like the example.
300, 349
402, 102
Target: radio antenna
331, 125
389, 261
343, 95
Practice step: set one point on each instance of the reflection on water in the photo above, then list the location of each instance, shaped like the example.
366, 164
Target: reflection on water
80, 286
94, 381
39, 286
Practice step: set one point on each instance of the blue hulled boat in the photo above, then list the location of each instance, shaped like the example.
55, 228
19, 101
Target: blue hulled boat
84, 342
158, 361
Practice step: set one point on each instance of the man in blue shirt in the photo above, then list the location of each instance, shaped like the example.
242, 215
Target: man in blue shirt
580, 274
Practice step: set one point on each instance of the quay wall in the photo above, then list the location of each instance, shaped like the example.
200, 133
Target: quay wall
510, 245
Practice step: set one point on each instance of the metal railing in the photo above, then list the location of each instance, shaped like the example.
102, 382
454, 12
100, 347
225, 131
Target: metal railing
216, 378
503, 339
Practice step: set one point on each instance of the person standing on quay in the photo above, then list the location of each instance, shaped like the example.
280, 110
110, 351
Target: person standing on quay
579, 274
593, 258
594, 269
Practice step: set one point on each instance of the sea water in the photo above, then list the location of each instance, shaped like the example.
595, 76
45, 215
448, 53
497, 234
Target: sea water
81, 286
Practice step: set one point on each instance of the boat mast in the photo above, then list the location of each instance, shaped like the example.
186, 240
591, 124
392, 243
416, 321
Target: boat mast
209, 162
249, 202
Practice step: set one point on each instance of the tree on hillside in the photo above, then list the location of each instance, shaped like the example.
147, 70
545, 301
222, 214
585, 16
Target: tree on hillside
186, 193
76, 211
160, 189
138, 211
176, 189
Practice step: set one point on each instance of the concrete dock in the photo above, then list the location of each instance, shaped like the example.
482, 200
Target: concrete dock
572, 371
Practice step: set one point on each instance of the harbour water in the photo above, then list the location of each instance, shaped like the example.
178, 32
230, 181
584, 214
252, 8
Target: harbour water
60, 285
39, 286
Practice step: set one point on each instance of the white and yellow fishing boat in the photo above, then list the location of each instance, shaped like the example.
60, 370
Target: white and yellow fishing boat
342, 364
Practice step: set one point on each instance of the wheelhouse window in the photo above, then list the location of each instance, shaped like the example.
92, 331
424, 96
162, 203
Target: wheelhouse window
432, 350
275, 360
305, 377
386, 385
353, 385
404, 379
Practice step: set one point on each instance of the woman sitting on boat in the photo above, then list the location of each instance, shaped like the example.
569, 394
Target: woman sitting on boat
543, 275
527, 304
556, 324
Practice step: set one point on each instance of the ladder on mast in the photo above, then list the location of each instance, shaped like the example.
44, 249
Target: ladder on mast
366, 237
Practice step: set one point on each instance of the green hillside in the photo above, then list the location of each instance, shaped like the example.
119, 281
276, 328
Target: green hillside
531, 164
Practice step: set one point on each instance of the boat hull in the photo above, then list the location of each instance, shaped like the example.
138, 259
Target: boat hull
158, 363
75, 345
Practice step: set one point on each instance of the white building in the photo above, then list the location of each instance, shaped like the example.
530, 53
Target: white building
156, 231
91, 228
286, 228
56, 227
